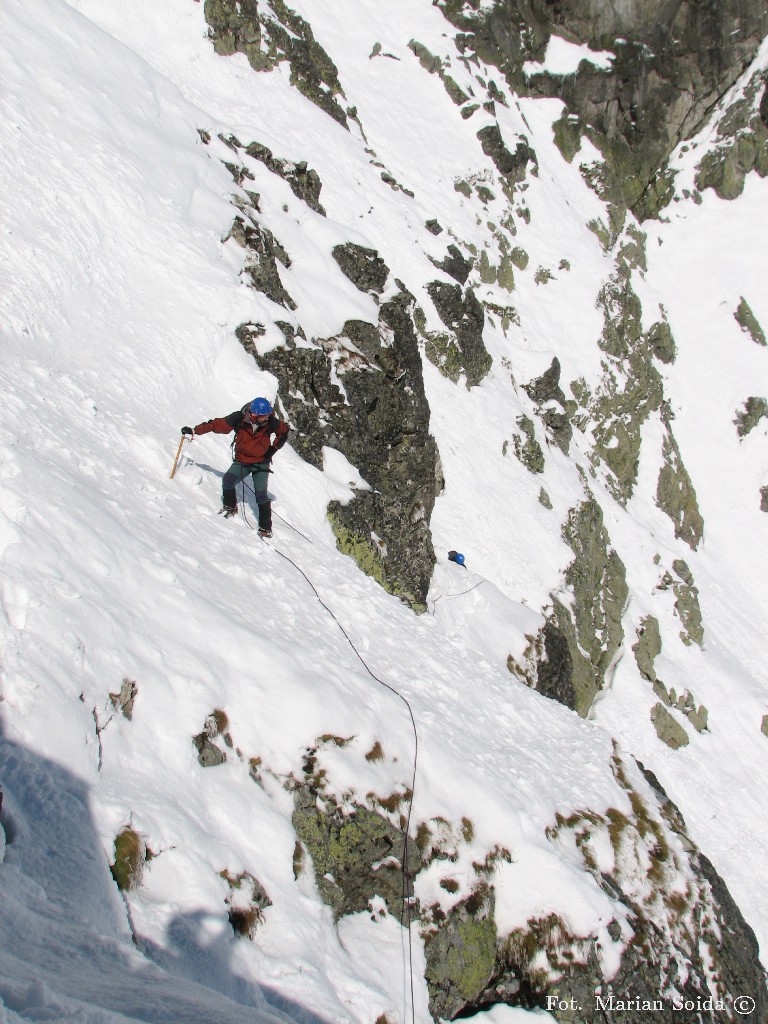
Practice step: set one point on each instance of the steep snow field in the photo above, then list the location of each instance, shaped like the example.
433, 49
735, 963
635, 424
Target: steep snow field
118, 312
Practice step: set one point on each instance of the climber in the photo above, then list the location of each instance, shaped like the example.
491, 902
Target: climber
254, 426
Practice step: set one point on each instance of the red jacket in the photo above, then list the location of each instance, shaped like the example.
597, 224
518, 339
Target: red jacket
253, 441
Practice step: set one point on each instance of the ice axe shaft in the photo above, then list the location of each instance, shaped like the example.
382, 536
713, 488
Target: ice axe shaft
178, 455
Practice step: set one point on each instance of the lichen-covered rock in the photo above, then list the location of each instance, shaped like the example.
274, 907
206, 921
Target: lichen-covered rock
364, 267
697, 715
304, 182
668, 729
764, 498
648, 646
676, 932
676, 496
380, 422
631, 389
567, 135
661, 342
749, 323
546, 393
512, 167
748, 418
686, 602
268, 32
528, 451
741, 143
357, 853
591, 621
461, 955
463, 315
674, 63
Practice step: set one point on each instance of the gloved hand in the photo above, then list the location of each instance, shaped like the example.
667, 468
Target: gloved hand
269, 453
187, 431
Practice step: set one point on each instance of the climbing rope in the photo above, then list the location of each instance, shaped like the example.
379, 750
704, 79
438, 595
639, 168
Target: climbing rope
407, 888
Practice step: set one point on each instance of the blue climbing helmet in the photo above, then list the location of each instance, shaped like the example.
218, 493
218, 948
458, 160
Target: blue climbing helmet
456, 556
260, 407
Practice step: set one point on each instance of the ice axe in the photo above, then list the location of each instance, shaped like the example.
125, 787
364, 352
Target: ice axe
178, 454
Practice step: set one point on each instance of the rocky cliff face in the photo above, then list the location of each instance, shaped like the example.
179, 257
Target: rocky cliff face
361, 391
672, 61
677, 943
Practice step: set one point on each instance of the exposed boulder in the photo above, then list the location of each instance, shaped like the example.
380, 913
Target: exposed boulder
591, 621
749, 323
748, 418
357, 853
303, 181
364, 267
648, 647
554, 675
528, 451
463, 315
686, 602
668, 729
461, 955
209, 754
552, 406
124, 700
512, 167
455, 265
675, 493
435, 66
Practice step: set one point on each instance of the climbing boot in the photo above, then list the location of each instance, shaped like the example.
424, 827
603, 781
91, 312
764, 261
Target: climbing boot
265, 518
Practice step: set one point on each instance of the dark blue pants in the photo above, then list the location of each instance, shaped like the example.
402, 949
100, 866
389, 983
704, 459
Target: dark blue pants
238, 472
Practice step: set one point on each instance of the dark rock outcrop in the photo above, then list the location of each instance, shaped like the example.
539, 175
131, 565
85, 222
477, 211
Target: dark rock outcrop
672, 62
303, 180
511, 166
554, 672
546, 393
268, 32
592, 624
357, 854
464, 316
380, 422
364, 267
455, 265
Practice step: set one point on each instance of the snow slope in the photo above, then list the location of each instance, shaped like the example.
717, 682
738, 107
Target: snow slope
119, 307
